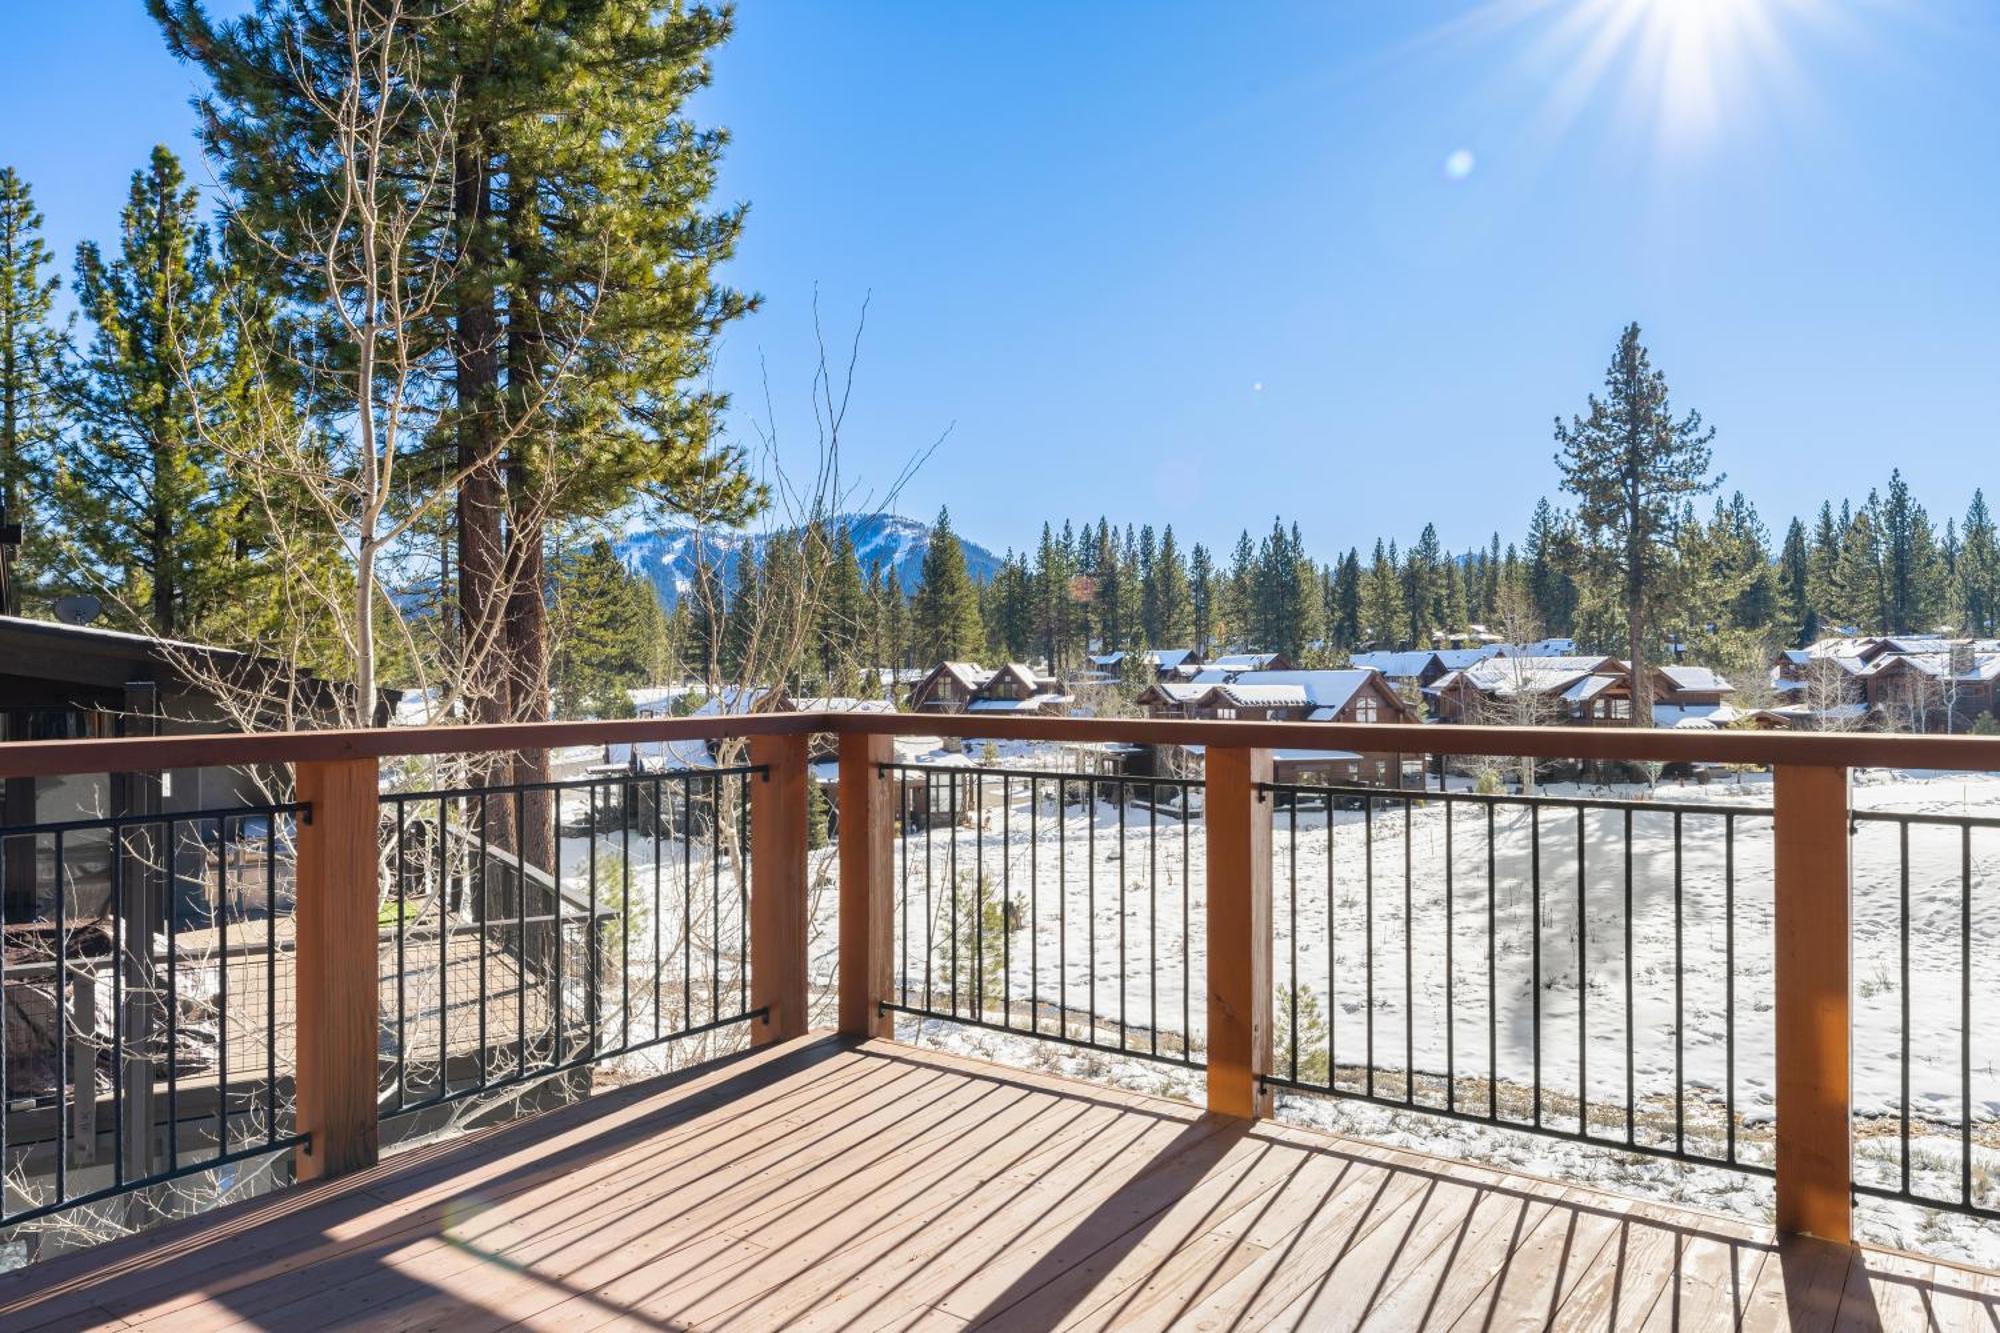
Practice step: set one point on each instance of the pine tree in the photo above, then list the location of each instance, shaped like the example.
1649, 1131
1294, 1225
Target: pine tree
1978, 571
1912, 569
1823, 569
844, 618
1236, 623
30, 365
607, 622
1346, 622
576, 243
1173, 604
1552, 566
140, 493
947, 605
1794, 587
1203, 595
1860, 596
1631, 465
1383, 615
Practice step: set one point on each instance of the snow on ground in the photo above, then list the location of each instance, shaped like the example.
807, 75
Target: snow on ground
1448, 992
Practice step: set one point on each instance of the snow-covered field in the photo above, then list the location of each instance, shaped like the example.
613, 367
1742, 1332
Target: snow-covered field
1084, 894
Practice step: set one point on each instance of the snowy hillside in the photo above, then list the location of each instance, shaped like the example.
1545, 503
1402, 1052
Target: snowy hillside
669, 556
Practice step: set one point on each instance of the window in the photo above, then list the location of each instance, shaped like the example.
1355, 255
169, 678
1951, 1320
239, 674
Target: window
1367, 710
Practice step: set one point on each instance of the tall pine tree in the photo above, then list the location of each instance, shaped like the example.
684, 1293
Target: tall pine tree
1632, 464
30, 364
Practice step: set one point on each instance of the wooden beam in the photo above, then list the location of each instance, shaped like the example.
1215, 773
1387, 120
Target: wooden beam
338, 888
1814, 1158
1238, 820
1834, 750
867, 885
778, 887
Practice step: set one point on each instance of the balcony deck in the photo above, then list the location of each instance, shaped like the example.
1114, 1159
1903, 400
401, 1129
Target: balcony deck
827, 1185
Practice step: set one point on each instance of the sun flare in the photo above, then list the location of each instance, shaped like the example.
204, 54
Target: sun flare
1689, 71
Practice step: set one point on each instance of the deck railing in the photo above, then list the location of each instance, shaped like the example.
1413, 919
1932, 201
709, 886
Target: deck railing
1177, 925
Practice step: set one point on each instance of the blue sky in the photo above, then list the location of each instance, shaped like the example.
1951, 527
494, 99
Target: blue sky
1208, 264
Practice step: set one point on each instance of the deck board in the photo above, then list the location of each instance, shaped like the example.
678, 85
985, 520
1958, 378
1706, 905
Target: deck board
819, 1184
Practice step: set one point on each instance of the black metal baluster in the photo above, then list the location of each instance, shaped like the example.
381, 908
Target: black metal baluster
402, 970
951, 883
1409, 960
659, 823
979, 896
743, 891
1090, 905
1153, 914
1187, 918
1631, 1079
1582, 981
444, 952
1124, 964
557, 982
1368, 936
1006, 902
1034, 905
61, 1025
1903, 991
592, 940
521, 940
625, 809
482, 909
171, 906
1680, 1018
1729, 986
930, 909
1292, 926
1965, 1014
686, 783
270, 981
1450, 1006
715, 898
1492, 971
122, 933
221, 916
903, 837
1535, 951
1332, 945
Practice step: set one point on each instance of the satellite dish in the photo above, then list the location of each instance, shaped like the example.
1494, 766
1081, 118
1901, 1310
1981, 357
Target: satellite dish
78, 610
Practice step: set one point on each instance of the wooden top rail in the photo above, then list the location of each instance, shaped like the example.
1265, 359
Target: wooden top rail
1823, 749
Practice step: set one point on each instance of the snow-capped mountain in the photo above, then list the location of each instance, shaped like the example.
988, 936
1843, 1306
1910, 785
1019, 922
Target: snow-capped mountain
668, 557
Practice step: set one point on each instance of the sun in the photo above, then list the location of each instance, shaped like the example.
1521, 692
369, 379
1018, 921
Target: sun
1690, 71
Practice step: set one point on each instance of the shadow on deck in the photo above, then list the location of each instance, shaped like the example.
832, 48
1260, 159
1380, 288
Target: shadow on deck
827, 1185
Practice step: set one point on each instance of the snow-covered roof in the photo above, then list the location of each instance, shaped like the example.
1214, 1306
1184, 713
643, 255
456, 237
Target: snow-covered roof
1696, 716
1166, 659
1587, 688
1181, 692
1700, 679
1322, 689
1245, 661
1244, 695
1033, 704
1397, 665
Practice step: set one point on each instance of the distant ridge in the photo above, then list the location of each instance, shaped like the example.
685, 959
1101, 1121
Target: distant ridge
669, 557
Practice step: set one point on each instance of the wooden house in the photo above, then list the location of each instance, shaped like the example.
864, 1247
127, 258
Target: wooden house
1355, 695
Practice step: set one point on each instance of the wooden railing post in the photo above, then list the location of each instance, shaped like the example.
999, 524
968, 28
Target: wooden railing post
867, 868
1814, 1157
778, 887
336, 966
1238, 819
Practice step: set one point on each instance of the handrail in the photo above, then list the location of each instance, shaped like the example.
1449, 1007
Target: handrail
24, 759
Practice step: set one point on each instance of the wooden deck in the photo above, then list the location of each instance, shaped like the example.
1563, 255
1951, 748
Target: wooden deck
825, 1185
